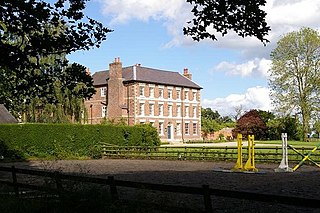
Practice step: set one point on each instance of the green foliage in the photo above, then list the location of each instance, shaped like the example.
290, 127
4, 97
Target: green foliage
246, 18
211, 121
54, 95
287, 124
209, 114
294, 75
69, 141
33, 29
36, 83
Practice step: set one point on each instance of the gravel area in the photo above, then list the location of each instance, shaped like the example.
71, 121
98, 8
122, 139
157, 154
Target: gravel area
302, 183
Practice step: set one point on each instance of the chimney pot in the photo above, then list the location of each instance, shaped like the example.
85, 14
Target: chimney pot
187, 74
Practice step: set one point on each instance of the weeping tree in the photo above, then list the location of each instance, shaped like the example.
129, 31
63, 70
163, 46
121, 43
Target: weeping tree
35, 36
295, 75
65, 102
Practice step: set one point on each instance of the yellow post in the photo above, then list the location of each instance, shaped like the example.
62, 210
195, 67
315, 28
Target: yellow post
250, 164
239, 164
306, 157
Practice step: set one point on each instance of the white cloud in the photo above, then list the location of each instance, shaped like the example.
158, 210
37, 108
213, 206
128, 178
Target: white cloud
254, 98
256, 67
124, 10
282, 15
172, 13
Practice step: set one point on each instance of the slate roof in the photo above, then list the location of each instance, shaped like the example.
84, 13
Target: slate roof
147, 75
5, 115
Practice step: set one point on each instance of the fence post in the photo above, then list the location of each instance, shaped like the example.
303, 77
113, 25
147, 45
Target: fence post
207, 198
14, 181
113, 188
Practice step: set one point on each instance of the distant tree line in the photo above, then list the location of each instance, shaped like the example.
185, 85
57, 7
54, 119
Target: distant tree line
263, 124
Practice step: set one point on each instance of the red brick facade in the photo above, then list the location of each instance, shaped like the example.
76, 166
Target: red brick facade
173, 109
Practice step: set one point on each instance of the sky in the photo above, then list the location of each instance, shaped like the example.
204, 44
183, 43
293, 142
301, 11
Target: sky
233, 71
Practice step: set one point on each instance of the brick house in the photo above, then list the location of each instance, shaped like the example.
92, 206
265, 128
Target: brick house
167, 100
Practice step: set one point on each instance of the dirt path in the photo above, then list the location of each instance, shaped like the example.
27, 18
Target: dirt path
305, 182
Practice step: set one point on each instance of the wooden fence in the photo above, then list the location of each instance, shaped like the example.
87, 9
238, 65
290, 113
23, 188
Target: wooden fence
204, 191
227, 153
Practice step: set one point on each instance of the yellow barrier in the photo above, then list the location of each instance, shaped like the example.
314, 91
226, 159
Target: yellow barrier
250, 164
239, 164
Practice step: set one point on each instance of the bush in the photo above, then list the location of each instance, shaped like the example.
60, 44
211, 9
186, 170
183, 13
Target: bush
70, 141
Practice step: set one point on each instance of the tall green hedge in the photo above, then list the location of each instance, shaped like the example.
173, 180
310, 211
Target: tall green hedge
68, 141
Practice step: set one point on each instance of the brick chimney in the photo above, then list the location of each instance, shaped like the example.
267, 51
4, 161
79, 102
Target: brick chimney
115, 90
115, 69
187, 74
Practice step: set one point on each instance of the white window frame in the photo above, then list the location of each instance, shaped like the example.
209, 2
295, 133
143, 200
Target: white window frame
103, 91
194, 94
161, 93
151, 92
187, 128
178, 128
170, 110
194, 128
186, 111
186, 95
104, 111
178, 110
194, 109
178, 94
161, 109
151, 109
170, 91
141, 91
161, 126
141, 109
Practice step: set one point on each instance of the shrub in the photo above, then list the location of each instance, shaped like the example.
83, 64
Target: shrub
69, 141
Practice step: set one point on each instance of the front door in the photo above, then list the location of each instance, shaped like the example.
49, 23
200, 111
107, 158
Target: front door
169, 132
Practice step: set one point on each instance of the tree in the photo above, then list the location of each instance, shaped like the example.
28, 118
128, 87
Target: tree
35, 36
220, 16
266, 115
209, 114
294, 75
251, 123
209, 126
316, 127
287, 124
31, 28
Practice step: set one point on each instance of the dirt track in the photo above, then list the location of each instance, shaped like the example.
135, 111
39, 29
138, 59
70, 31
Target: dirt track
305, 182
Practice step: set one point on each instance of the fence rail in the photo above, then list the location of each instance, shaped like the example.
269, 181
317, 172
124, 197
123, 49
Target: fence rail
204, 191
262, 154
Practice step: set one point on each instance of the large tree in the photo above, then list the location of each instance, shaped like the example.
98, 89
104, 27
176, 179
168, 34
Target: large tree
34, 28
35, 36
251, 123
295, 75
244, 17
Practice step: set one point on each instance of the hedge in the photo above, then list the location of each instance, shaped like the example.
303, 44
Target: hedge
69, 141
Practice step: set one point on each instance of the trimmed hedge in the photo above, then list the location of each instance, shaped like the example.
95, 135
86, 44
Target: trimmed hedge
69, 141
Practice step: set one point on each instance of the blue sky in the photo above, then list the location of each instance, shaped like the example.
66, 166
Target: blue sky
233, 71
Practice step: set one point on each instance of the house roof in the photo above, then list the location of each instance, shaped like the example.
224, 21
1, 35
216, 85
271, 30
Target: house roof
147, 75
5, 115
